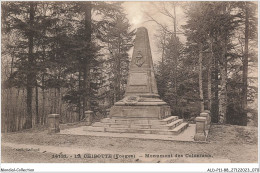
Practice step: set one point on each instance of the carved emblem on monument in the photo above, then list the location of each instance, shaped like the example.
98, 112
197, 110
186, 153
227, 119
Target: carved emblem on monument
139, 59
131, 100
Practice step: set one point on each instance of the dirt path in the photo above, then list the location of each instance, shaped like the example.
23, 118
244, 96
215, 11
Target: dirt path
67, 154
227, 143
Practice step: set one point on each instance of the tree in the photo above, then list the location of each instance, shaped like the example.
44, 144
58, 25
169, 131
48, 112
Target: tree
171, 55
200, 78
249, 30
85, 45
21, 20
116, 34
215, 23
55, 47
244, 48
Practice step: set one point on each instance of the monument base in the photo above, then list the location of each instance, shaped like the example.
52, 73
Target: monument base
168, 126
141, 115
140, 111
140, 107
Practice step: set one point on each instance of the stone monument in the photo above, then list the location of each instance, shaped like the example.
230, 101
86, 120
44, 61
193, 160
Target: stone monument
141, 110
141, 98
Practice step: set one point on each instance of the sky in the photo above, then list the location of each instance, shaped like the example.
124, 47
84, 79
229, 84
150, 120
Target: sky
137, 16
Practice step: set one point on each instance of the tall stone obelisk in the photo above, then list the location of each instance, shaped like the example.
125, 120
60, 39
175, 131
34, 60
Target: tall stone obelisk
141, 98
141, 80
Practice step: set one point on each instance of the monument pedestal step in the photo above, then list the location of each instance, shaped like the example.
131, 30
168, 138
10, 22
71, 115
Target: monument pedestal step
139, 120
174, 131
168, 126
140, 126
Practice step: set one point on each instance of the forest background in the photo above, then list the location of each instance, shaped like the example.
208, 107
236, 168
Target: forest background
69, 57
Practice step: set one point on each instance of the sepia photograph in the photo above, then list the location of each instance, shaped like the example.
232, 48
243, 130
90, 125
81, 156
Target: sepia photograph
129, 82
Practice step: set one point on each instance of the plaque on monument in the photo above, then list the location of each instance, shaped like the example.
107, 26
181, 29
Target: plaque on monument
138, 79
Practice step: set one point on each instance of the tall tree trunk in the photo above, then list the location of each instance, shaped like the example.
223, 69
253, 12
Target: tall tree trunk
43, 116
118, 73
59, 102
117, 80
245, 68
86, 71
20, 115
81, 99
55, 105
200, 79
7, 115
209, 75
176, 57
223, 83
30, 73
215, 107
43, 119
37, 103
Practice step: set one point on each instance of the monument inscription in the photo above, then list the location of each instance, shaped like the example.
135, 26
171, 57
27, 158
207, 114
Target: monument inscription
138, 78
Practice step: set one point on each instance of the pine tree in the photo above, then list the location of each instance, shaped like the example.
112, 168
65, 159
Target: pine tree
245, 38
214, 21
116, 34
84, 51
22, 20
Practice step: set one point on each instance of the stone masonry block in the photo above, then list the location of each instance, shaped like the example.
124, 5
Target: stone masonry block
53, 123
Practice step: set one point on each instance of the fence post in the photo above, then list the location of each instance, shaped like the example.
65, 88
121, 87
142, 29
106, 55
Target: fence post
53, 123
89, 117
207, 111
107, 113
200, 129
207, 123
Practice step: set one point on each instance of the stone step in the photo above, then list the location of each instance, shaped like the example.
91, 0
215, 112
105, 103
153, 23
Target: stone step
140, 126
132, 121
165, 121
105, 120
139, 120
121, 130
177, 130
98, 124
128, 130
167, 126
175, 123
141, 131
112, 125
127, 120
115, 125
170, 119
